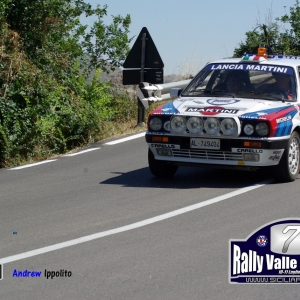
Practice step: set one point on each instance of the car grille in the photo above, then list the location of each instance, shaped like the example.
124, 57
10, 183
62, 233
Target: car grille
204, 154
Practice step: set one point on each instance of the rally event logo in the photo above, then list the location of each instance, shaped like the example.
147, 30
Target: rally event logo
271, 254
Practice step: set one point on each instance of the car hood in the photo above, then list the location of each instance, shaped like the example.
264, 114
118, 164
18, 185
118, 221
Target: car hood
228, 107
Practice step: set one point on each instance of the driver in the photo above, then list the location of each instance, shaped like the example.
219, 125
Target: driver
234, 83
282, 85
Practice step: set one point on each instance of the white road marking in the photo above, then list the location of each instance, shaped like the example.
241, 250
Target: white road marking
98, 235
83, 151
126, 139
33, 165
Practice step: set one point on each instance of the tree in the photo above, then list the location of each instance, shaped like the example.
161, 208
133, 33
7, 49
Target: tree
268, 35
111, 42
46, 104
291, 38
53, 27
281, 42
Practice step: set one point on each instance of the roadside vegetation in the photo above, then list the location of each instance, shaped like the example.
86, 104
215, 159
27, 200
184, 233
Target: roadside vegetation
48, 105
281, 34
49, 101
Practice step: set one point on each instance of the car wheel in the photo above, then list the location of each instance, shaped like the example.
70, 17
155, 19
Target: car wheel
160, 168
288, 168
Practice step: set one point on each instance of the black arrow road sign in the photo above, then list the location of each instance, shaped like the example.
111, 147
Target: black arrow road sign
152, 57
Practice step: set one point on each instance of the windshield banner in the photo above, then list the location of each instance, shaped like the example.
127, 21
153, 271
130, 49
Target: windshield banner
250, 67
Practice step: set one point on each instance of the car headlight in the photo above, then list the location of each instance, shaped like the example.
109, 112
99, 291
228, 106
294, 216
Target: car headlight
167, 126
228, 126
262, 129
212, 125
178, 124
194, 125
248, 129
155, 124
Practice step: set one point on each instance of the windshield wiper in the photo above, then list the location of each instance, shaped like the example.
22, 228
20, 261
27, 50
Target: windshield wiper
221, 91
279, 98
247, 93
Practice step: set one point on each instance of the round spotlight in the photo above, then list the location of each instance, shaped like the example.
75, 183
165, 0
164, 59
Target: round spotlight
228, 126
194, 125
212, 126
178, 124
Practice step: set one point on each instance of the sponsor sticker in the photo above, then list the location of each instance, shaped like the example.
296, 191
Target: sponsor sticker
283, 119
222, 101
211, 110
261, 113
163, 146
247, 150
275, 157
271, 254
253, 117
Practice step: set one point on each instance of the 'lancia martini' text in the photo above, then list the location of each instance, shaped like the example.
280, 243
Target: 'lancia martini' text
249, 67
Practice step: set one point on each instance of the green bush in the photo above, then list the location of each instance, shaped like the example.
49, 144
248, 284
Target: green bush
3, 146
47, 106
48, 118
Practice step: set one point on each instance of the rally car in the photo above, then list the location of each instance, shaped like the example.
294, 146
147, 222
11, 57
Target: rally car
240, 113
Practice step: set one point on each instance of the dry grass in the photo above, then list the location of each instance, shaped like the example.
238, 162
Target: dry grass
116, 130
112, 129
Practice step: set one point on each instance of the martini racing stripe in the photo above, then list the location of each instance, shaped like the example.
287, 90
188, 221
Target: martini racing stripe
285, 127
265, 112
166, 109
283, 114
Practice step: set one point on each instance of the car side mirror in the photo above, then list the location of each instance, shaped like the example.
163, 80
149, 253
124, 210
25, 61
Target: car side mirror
175, 92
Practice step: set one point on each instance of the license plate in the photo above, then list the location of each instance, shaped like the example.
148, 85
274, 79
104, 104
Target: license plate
205, 143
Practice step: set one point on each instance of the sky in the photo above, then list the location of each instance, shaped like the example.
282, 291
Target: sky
190, 33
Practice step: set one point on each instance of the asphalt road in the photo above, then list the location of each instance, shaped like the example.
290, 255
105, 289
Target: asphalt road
101, 220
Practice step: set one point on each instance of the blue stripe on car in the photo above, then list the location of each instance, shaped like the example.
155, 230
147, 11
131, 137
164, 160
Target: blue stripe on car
169, 108
285, 128
258, 114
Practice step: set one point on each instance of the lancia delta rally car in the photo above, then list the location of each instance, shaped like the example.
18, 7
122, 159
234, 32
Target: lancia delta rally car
238, 113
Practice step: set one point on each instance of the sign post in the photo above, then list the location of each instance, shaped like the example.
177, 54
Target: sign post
145, 61
141, 108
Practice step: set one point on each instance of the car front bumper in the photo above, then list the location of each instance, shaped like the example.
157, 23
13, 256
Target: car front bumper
232, 152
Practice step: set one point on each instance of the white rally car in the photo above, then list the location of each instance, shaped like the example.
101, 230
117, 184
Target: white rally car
238, 113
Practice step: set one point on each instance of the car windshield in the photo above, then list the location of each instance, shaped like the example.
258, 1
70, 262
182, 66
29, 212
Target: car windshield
258, 81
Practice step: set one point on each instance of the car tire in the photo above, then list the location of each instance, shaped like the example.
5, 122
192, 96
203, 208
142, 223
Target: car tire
288, 167
160, 168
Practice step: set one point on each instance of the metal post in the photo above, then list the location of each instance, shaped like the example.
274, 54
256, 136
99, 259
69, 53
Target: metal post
141, 108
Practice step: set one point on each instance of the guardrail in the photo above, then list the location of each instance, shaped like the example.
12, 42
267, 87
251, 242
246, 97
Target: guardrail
148, 92
153, 93
165, 92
